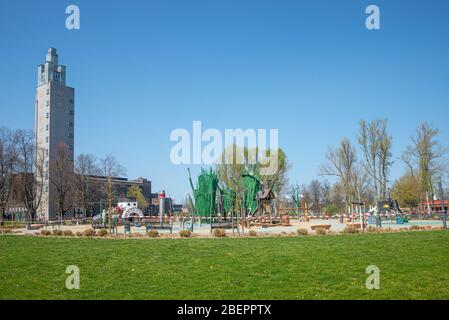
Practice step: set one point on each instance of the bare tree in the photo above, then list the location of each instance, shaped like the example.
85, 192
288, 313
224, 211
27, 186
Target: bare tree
340, 163
62, 179
427, 156
7, 162
376, 146
315, 191
385, 159
85, 166
110, 168
31, 164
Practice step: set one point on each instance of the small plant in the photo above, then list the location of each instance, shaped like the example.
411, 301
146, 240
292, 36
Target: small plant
351, 229
89, 232
79, 234
102, 232
45, 232
414, 227
185, 233
371, 229
57, 232
68, 233
252, 233
320, 231
153, 234
302, 232
219, 233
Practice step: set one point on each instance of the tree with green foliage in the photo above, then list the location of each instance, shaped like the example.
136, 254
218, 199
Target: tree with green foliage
135, 192
407, 191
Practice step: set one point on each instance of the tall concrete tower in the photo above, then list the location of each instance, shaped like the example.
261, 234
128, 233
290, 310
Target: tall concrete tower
55, 109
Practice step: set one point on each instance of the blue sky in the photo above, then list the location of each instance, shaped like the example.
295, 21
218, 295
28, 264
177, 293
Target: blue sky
309, 68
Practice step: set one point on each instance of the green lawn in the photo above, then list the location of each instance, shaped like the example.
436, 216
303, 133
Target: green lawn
414, 265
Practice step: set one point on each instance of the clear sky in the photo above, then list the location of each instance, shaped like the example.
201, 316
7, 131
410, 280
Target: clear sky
308, 68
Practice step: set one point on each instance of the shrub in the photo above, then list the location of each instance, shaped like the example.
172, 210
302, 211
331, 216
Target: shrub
302, 232
5, 230
57, 232
219, 233
371, 229
414, 227
252, 233
351, 229
320, 231
185, 233
45, 232
79, 234
153, 233
137, 235
68, 233
89, 232
102, 232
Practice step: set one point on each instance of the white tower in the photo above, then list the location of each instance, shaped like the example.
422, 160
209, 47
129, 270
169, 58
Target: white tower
55, 109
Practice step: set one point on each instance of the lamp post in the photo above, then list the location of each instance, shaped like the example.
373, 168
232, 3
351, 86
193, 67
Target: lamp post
443, 208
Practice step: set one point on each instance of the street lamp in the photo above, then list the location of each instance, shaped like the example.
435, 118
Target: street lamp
443, 208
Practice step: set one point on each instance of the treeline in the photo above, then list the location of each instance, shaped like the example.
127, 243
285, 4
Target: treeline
362, 167
27, 171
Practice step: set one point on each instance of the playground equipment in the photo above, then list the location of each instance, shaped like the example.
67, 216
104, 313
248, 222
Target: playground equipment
129, 210
205, 193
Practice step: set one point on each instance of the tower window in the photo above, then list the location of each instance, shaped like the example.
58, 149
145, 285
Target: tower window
48, 91
70, 135
46, 115
46, 127
70, 112
70, 124
48, 103
46, 139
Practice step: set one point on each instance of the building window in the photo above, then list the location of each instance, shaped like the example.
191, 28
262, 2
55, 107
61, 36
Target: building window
48, 92
71, 101
70, 135
48, 103
46, 127
70, 112
70, 146
46, 139
70, 124
46, 115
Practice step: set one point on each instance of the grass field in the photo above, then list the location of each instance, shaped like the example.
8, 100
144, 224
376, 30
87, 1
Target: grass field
414, 265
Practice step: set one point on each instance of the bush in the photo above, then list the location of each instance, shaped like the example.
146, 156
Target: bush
153, 233
371, 229
57, 232
137, 235
185, 233
79, 234
414, 227
89, 232
219, 233
102, 232
351, 229
68, 233
320, 231
252, 233
302, 232
5, 230
45, 232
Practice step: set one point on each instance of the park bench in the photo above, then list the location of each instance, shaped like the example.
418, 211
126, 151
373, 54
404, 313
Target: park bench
34, 226
320, 226
159, 225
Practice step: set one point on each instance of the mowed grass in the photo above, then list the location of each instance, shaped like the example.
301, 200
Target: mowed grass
414, 265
